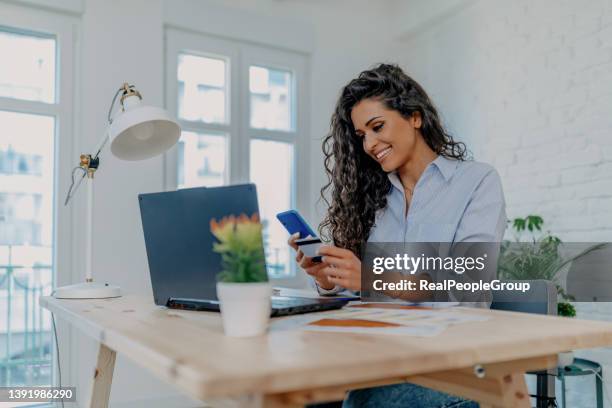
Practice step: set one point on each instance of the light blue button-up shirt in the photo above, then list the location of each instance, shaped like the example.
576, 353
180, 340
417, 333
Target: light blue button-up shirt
453, 201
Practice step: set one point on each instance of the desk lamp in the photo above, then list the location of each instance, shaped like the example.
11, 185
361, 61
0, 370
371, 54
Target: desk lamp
137, 132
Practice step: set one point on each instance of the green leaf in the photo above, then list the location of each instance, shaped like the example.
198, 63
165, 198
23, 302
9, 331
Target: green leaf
534, 221
519, 224
539, 259
566, 309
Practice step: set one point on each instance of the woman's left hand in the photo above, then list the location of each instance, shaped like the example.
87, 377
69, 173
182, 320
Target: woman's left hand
344, 267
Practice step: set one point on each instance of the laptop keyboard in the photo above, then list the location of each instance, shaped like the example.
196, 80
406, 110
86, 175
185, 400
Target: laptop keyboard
282, 302
281, 306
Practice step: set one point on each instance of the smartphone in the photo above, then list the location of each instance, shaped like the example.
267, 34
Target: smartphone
310, 247
294, 222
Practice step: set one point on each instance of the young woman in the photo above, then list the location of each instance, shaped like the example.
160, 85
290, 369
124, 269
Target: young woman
395, 175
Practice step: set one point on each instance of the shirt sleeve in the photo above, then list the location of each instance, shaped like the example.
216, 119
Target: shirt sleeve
327, 292
484, 222
484, 219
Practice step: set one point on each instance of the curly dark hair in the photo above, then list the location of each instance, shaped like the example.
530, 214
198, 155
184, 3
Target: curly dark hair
357, 184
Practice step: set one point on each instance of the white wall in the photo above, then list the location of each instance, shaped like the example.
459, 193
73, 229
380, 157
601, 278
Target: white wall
123, 41
528, 85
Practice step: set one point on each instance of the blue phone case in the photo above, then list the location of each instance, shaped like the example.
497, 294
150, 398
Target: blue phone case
294, 222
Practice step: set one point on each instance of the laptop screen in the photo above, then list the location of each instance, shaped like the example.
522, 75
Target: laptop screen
178, 238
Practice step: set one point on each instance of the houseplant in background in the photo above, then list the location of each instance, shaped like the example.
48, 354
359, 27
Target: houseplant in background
243, 288
538, 258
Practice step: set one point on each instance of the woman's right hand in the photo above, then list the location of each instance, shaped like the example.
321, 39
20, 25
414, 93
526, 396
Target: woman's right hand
312, 268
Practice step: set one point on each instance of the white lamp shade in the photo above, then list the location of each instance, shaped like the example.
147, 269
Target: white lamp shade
142, 132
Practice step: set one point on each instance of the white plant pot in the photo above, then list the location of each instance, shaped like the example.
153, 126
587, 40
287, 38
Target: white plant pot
245, 308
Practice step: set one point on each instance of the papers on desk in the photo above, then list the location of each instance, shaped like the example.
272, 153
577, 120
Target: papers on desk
380, 318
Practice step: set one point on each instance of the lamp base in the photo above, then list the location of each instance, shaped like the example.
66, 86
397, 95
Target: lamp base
87, 290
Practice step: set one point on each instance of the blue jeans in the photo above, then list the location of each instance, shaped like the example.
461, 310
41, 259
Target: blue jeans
404, 396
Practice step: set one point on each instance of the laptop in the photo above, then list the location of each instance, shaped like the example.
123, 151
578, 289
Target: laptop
179, 244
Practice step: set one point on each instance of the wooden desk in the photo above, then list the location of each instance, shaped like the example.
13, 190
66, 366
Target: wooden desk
292, 368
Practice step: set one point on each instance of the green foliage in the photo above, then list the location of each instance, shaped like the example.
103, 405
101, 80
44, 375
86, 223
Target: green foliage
566, 309
539, 260
240, 245
240, 266
530, 222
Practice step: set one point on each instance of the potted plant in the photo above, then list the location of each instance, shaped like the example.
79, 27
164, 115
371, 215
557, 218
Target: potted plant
243, 289
540, 258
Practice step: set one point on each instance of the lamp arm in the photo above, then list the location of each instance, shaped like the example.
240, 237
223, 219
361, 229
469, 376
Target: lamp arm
109, 117
88, 164
74, 188
101, 145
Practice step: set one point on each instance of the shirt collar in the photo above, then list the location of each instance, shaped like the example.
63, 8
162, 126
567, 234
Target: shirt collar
395, 180
445, 166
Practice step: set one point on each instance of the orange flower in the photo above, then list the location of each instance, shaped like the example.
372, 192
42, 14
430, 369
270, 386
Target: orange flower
240, 244
242, 231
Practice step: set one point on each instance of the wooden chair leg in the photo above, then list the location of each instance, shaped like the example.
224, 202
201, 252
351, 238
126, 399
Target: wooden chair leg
103, 377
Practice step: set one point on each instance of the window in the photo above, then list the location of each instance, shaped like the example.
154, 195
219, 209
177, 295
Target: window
31, 75
202, 101
35, 137
274, 180
270, 99
202, 159
202, 88
241, 108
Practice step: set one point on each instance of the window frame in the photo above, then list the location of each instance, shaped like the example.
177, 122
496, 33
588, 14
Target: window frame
28, 21
185, 43
240, 56
265, 57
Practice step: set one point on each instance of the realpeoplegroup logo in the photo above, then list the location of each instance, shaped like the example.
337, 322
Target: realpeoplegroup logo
450, 285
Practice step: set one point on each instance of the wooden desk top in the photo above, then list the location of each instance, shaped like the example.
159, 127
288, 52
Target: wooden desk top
188, 348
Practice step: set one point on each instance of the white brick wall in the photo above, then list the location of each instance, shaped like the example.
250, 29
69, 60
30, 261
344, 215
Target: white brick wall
528, 85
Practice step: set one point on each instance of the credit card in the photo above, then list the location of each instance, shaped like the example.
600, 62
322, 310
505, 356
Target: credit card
310, 247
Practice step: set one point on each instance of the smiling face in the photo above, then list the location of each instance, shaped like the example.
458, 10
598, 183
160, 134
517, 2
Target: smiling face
386, 135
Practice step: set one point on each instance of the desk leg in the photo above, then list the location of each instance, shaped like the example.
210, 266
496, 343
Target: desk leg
498, 389
503, 385
507, 390
103, 377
